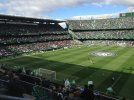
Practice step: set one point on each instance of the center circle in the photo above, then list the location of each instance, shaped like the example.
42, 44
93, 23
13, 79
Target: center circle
103, 54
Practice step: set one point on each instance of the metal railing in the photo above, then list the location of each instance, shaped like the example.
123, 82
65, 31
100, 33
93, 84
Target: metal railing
5, 97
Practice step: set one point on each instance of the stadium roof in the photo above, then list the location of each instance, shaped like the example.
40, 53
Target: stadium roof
9, 18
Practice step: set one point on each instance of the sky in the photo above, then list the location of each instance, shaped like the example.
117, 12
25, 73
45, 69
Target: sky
64, 9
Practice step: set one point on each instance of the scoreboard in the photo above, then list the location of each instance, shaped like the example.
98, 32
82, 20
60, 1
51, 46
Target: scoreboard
130, 14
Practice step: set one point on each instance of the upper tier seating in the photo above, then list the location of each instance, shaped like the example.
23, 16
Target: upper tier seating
97, 24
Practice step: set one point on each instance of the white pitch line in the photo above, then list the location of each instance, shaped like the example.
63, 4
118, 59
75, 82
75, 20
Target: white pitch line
116, 81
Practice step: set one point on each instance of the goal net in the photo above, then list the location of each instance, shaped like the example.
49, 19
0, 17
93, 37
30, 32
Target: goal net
45, 73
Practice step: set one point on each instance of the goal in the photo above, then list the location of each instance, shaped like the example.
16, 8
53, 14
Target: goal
48, 74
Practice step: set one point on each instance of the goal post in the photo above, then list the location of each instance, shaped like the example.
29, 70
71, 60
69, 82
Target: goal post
48, 74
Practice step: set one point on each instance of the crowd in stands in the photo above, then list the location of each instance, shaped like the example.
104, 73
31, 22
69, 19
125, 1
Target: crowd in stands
5, 52
20, 38
18, 29
22, 81
14, 50
32, 39
104, 31
109, 42
40, 46
96, 24
116, 34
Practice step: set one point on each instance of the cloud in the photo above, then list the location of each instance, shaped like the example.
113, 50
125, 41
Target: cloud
36, 7
1, 5
101, 16
40, 8
130, 9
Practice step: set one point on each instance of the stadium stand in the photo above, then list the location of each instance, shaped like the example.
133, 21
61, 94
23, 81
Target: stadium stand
109, 31
98, 24
109, 42
116, 34
19, 35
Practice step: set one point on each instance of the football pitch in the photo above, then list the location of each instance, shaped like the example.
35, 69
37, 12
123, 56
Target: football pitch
79, 64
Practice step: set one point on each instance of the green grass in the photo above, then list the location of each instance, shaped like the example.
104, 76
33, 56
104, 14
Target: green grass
74, 63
